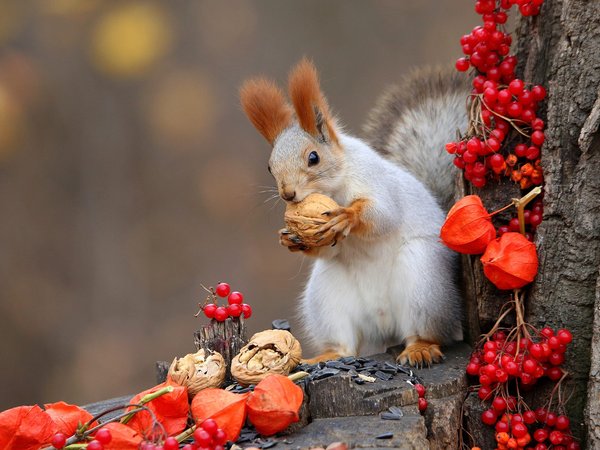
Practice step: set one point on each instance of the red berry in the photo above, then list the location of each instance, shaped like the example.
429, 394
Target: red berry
512, 369
551, 419
554, 373
540, 435
536, 350
235, 298
514, 225
462, 64
473, 369
537, 124
478, 182
519, 430
171, 444
556, 359
504, 96
484, 392
220, 437
564, 336
221, 314
515, 109
223, 290
459, 162
533, 152
502, 230
556, 437
202, 437
210, 426
501, 376
520, 150
489, 357
530, 366
103, 436
95, 445
535, 220
547, 332
554, 342
499, 405
488, 417
422, 404
451, 147
59, 440
496, 160
537, 137
516, 86
539, 93
209, 310
234, 310
420, 390
246, 310
502, 427
562, 423
529, 417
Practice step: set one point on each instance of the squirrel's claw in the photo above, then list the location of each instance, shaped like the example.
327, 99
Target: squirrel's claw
291, 241
340, 224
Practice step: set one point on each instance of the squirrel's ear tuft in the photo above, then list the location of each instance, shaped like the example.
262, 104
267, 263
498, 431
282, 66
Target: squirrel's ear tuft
266, 107
310, 104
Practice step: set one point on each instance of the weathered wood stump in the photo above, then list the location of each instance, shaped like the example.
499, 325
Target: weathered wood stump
226, 337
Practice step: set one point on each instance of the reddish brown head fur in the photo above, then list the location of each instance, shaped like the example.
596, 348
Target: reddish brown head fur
266, 107
310, 104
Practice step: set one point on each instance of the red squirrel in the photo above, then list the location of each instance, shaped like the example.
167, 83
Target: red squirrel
388, 279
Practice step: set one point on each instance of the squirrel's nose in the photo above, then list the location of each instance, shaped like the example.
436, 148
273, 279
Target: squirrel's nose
288, 196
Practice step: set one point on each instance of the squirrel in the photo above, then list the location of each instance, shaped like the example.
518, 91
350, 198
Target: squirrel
387, 279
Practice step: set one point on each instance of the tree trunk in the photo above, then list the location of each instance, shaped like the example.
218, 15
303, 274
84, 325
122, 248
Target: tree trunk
560, 49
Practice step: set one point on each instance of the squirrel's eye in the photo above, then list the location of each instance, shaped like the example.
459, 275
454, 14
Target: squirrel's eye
313, 159
269, 169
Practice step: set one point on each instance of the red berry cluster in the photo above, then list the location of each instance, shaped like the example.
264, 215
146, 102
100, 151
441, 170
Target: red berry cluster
502, 361
421, 392
208, 436
499, 102
532, 217
516, 430
102, 437
236, 307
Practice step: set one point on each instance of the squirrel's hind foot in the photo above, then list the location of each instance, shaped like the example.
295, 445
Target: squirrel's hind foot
420, 353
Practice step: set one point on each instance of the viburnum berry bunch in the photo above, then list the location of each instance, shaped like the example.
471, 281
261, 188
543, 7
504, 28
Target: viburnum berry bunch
208, 436
512, 362
499, 104
236, 306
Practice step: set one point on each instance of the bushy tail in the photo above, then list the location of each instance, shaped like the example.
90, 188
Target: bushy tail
412, 122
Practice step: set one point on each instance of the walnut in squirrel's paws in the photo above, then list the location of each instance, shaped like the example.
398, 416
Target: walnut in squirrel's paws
304, 221
420, 353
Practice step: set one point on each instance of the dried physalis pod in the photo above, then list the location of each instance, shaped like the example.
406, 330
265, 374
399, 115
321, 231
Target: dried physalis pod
198, 371
267, 352
306, 217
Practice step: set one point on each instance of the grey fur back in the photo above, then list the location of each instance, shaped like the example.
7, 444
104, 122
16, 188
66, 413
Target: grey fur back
412, 122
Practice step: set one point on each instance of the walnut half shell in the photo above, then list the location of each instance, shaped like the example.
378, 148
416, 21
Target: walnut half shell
198, 371
267, 352
304, 219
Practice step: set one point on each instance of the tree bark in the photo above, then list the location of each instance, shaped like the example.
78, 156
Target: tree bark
560, 49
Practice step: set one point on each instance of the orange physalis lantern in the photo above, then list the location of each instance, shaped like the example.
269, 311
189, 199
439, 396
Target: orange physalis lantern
468, 227
510, 262
274, 404
226, 408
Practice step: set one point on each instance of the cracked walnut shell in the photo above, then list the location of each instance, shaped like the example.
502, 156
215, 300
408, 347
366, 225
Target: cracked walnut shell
267, 352
198, 371
306, 217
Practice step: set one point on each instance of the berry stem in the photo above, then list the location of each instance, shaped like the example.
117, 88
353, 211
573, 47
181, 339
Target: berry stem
522, 202
145, 399
186, 433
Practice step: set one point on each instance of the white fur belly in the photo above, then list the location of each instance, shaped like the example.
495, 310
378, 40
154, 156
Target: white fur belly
356, 298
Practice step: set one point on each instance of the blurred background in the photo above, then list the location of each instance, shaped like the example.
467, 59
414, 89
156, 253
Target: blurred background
129, 175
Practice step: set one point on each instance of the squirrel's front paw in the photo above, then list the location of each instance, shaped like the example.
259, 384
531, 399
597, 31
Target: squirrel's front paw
291, 241
341, 222
420, 353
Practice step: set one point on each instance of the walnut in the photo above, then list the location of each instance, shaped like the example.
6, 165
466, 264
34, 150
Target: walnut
267, 352
197, 371
304, 219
